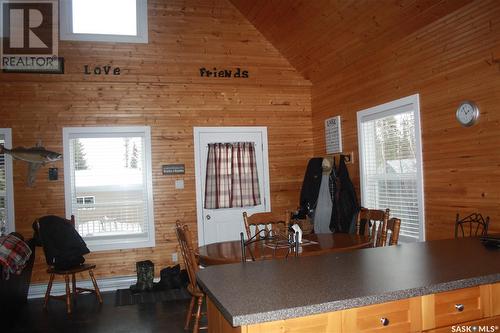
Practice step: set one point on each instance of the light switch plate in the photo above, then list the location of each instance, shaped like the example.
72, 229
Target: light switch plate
179, 184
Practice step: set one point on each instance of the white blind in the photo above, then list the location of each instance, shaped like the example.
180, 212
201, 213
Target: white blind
109, 172
390, 168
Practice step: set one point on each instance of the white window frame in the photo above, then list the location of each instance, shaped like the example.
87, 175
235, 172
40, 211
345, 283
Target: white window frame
83, 201
66, 26
84, 197
387, 109
109, 243
9, 183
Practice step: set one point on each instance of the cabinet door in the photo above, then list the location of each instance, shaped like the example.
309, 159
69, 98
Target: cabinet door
495, 299
396, 316
323, 323
483, 325
457, 306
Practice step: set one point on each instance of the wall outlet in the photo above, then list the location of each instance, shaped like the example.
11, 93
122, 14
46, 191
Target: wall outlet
175, 257
179, 184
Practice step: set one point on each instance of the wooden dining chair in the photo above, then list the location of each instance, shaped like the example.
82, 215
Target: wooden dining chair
187, 251
393, 228
273, 224
373, 222
71, 293
471, 226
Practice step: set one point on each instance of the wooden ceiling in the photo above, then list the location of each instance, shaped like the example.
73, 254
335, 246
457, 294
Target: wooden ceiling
322, 37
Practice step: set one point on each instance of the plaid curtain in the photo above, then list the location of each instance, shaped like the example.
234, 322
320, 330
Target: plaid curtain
232, 179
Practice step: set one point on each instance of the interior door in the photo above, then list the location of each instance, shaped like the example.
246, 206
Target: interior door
217, 225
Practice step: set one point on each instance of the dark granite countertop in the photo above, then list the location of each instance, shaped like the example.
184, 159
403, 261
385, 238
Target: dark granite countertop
263, 291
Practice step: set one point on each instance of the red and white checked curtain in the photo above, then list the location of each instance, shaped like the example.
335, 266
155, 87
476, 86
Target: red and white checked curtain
232, 179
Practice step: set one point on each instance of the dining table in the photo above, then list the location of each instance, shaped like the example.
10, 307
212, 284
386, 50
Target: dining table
313, 244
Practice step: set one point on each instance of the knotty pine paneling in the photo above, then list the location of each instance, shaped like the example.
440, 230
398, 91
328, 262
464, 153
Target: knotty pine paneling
160, 87
321, 38
452, 59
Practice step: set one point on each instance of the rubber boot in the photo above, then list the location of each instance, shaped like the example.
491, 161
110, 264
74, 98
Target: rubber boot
149, 275
145, 275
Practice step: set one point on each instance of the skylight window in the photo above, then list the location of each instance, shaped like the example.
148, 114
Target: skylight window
104, 20
107, 20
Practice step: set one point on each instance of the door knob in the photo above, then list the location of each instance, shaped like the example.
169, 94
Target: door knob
207, 217
459, 307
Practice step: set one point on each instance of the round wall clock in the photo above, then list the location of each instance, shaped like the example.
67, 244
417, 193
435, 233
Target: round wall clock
467, 113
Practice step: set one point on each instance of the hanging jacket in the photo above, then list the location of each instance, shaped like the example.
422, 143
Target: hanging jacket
346, 204
324, 207
63, 246
310, 186
333, 186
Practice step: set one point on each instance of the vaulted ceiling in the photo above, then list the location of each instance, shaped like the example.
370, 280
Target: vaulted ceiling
322, 37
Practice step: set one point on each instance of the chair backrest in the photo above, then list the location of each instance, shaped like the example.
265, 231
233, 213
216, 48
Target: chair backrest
363, 222
70, 221
472, 225
374, 223
272, 223
187, 252
62, 244
393, 225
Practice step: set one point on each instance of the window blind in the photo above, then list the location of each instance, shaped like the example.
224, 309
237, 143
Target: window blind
390, 168
109, 193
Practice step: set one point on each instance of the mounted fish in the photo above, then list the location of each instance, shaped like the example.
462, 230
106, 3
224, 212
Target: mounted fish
35, 156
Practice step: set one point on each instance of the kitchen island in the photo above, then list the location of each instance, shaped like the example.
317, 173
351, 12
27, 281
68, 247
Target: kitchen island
411, 287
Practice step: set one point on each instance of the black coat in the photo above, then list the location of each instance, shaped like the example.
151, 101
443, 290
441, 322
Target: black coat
346, 202
63, 246
310, 185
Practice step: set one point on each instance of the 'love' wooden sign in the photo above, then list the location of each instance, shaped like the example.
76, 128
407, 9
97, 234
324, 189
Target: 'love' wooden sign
101, 70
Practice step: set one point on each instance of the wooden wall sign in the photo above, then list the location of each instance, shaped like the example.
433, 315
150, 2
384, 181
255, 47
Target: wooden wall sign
333, 135
101, 70
224, 73
173, 169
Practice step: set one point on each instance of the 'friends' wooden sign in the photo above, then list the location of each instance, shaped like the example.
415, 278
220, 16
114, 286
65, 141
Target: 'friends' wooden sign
224, 73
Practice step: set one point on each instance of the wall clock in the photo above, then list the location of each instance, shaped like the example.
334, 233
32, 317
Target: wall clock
467, 113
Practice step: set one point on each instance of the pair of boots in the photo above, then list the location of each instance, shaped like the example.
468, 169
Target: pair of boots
145, 275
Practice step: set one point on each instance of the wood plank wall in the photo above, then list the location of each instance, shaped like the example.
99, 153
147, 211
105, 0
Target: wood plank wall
160, 86
450, 60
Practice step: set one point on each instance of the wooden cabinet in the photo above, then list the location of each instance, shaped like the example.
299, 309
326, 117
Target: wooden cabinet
495, 299
322, 323
457, 306
488, 325
397, 316
217, 322
437, 313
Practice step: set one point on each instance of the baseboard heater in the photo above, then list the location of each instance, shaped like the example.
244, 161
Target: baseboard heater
37, 290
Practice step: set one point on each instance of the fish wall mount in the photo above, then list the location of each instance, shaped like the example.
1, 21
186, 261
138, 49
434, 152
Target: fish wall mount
36, 157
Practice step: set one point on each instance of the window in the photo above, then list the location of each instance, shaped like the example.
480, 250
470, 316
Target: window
85, 200
391, 163
6, 187
108, 187
85, 203
105, 20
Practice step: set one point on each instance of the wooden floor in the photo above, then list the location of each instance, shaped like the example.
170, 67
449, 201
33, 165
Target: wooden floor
88, 316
